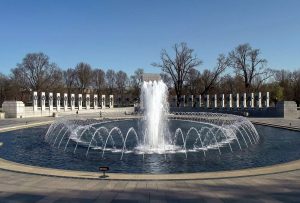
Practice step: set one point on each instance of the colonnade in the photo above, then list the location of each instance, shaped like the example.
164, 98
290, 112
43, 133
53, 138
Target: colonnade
252, 100
61, 102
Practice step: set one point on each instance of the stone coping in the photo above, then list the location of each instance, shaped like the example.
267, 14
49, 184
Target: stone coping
29, 125
27, 169
268, 170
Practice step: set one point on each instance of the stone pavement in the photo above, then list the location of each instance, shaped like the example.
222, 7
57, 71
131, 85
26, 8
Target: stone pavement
282, 187
293, 124
11, 122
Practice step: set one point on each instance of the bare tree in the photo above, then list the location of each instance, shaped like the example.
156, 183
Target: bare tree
193, 81
121, 81
83, 75
228, 84
136, 78
166, 79
111, 80
296, 85
290, 83
3, 87
135, 82
283, 77
247, 62
99, 80
36, 73
210, 78
261, 79
69, 79
179, 66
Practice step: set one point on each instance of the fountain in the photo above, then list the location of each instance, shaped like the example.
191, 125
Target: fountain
157, 141
155, 132
156, 109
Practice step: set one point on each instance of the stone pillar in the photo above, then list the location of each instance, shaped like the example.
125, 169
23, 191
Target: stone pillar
50, 101
95, 101
207, 101
87, 101
57, 101
191, 100
43, 101
259, 100
216, 101
245, 101
182, 102
223, 101
35, 101
65, 101
252, 100
200, 101
72, 102
230, 100
237, 100
268, 100
111, 101
79, 101
103, 101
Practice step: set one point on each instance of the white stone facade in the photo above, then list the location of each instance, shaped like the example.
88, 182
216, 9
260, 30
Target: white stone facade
14, 109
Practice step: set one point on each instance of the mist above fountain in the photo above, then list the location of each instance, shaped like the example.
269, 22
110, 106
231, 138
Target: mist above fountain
158, 132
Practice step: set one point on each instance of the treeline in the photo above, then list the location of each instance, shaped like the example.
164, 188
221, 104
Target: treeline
37, 73
241, 70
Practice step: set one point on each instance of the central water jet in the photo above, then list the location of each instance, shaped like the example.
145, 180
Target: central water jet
154, 102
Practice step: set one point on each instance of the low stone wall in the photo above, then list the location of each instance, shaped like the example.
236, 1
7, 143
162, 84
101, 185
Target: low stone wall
17, 109
263, 112
104, 112
284, 109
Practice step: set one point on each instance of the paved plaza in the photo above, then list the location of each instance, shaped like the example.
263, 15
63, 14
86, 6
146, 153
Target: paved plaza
282, 187
274, 184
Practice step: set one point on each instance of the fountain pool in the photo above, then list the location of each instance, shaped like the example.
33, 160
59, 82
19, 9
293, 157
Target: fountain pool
28, 146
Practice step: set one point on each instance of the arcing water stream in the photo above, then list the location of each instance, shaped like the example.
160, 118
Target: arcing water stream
152, 134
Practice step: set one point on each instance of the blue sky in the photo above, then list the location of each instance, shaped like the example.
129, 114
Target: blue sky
129, 34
